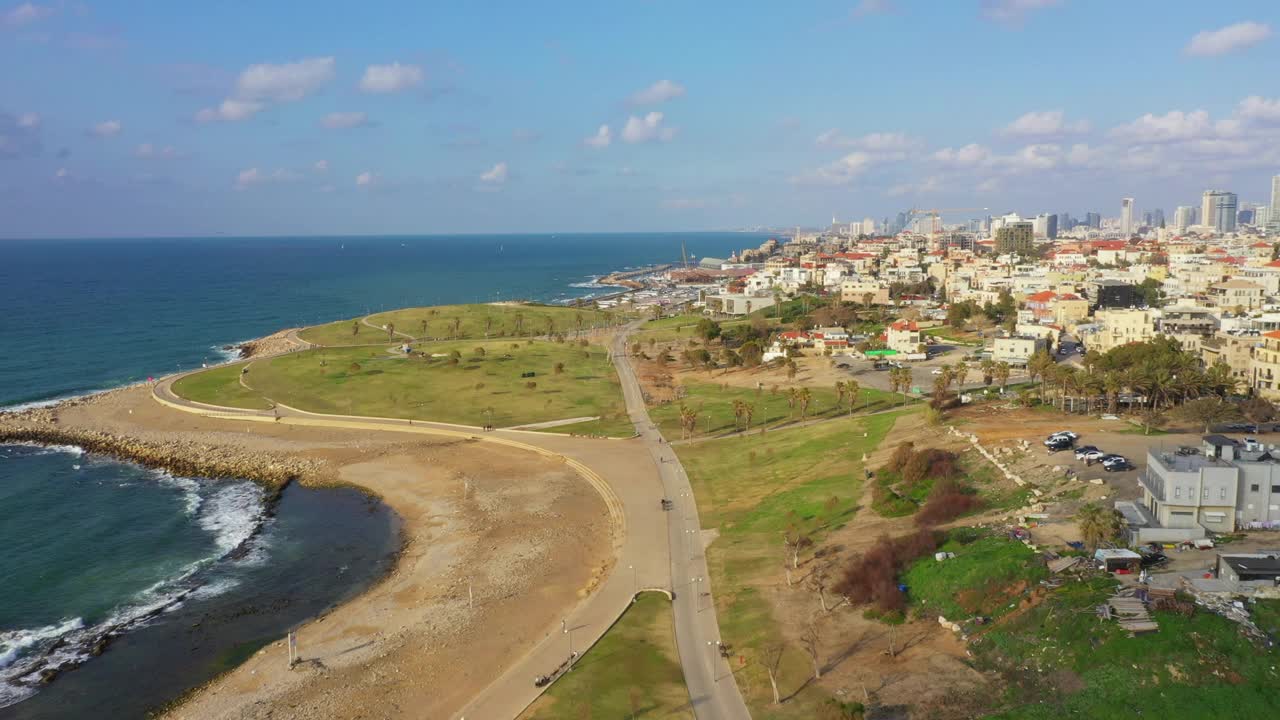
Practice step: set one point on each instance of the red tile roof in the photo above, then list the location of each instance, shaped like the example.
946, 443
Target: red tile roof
905, 325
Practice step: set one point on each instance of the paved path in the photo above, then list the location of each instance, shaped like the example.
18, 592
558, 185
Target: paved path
654, 549
712, 689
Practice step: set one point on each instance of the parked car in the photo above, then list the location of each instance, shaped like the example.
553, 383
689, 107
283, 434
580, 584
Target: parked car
1054, 445
1116, 463
1084, 450
1059, 436
1094, 454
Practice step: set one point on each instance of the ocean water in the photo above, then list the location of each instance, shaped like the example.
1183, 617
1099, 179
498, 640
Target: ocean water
113, 572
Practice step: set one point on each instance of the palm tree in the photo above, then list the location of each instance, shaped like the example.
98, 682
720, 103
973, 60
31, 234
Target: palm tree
1112, 385
737, 413
551, 326
688, 421
578, 319
391, 331
519, 322
852, 388
748, 411
488, 323
1002, 370
355, 328
1099, 524
805, 398
839, 393
457, 326
424, 329
961, 371
792, 396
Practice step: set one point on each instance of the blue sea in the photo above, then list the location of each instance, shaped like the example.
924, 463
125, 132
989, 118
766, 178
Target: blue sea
176, 579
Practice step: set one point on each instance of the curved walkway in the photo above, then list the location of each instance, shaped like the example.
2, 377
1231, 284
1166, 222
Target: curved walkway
655, 549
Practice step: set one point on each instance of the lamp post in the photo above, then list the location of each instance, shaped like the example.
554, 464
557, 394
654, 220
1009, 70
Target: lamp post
635, 582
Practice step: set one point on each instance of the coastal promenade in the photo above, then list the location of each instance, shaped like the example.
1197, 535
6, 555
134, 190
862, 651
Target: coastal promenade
655, 550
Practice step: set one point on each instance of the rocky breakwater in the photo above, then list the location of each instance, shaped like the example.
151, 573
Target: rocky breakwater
173, 455
276, 343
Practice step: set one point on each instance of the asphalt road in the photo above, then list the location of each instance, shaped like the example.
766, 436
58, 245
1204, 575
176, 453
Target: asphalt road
713, 691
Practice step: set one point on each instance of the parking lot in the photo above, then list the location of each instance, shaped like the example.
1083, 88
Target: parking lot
922, 371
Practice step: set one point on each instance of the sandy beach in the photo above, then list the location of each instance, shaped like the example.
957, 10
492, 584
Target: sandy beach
498, 543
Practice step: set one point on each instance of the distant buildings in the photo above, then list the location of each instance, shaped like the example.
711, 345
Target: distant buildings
1046, 226
1183, 218
1093, 220
1126, 216
1114, 294
1015, 237
1273, 216
1218, 210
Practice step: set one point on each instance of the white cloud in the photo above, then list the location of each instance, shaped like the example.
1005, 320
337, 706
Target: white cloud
1259, 109
287, 82
365, 179
896, 143
230, 111
495, 175
1049, 123
931, 184
1013, 12
18, 139
970, 155
1228, 39
344, 120
601, 139
29, 120
659, 92
265, 83
62, 174
253, 176
841, 172
646, 129
321, 166
107, 128
872, 7
390, 78
25, 14
1040, 156
148, 150
1172, 126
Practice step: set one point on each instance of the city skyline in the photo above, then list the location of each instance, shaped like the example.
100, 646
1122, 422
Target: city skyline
410, 120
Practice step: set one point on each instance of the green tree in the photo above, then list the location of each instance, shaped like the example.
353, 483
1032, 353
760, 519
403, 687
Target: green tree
1209, 411
1099, 525
708, 329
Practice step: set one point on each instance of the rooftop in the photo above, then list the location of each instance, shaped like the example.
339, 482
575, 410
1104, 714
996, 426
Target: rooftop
1253, 564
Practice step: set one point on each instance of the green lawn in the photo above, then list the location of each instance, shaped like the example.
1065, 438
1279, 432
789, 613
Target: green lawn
714, 404
633, 672
473, 322
372, 381
984, 578
1058, 660
220, 386
677, 327
752, 489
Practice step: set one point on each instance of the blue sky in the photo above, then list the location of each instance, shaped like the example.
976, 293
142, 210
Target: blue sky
155, 118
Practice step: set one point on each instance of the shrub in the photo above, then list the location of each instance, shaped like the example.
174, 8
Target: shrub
947, 501
900, 456
873, 577
353, 368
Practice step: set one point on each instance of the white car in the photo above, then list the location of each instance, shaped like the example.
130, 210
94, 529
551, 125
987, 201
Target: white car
936, 371
1092, 455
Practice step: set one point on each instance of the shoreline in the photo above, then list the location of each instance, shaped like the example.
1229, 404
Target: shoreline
126, 423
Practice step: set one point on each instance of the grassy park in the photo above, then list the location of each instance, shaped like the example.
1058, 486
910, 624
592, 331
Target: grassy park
753, 489
462, 382
771, 406
460, 322
220, 386
632, 672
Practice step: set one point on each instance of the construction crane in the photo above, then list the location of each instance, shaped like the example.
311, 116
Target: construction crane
937, 213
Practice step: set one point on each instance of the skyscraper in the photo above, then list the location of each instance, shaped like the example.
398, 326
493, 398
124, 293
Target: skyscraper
1222, 210
1184, 217
1273, 216
1126, 216
1208, 204
1093, 220
1157, 218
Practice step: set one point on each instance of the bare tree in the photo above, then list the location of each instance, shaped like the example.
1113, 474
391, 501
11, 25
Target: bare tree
796, 540
819, 579
811, 640
772, 661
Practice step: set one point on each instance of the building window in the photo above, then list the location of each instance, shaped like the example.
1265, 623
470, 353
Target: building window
1253, 487
1205, 494
1275, 488
1177, 492
1222, 493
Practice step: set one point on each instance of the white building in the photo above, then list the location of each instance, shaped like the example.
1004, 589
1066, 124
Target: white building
1126, 216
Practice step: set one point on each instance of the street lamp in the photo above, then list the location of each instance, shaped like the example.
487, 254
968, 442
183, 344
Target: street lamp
635, 582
